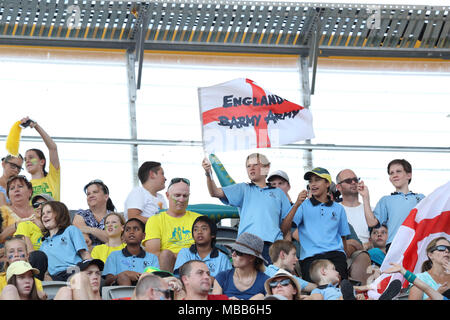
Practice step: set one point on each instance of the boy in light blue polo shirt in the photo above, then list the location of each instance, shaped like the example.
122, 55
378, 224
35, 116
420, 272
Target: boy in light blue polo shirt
262, 207
392, 210
204, 232
322, 225
125, 266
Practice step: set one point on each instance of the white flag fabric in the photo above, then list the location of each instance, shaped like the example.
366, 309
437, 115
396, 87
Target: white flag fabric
429, 220
239, 114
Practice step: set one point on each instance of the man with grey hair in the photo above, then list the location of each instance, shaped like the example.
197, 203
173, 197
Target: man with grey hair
167, 232
347, 184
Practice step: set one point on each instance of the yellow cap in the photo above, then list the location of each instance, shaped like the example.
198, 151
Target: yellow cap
19, 267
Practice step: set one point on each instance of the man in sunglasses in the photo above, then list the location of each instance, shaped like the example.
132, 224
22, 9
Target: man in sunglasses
169, 231
347, 184
151, 287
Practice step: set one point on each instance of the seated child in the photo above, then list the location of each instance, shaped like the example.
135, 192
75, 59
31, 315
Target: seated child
63, 243
124, 267
16, 250
324, 274
114, 223
204, 232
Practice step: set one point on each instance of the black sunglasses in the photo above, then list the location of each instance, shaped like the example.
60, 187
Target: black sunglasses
14, 166
441, 248
350, 180
38, 204
176, 180
283, 283
238, 253
168, 294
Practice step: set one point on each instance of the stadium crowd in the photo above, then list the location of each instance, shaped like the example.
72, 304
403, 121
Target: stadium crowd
327, 243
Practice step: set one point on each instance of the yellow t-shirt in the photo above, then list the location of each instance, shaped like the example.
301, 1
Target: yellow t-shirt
102, 251
50, 184
32, 231
3, 282
8, 216
174, 233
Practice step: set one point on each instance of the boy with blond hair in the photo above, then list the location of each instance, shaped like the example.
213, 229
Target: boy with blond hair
262, 207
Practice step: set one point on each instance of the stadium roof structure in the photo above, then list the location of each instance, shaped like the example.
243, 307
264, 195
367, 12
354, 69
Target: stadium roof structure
306, 29
238, 26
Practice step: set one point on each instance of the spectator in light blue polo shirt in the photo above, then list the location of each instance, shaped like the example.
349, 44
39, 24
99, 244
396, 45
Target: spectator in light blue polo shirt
204, 232
392, 210
63, 243
124, 267
322, 225
262, 207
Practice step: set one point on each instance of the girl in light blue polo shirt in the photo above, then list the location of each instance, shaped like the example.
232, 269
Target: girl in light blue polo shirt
63, 243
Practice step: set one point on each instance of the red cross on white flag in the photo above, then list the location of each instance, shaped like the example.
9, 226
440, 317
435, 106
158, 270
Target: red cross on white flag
429, 220
239, 114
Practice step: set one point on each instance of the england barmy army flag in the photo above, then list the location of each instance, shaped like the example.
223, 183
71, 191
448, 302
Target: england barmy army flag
239, 114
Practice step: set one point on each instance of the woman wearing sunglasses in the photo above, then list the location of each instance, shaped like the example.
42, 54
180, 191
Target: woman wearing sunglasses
283, 284
245, 281
435, 270
11, 167
19, 191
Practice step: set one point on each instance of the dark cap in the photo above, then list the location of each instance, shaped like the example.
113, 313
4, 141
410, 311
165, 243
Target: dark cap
83, 265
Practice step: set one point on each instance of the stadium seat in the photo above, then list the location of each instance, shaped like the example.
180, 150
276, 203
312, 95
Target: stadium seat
52, 287
117, 292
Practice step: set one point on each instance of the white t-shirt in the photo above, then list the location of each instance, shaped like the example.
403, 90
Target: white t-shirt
139, 198
355, 216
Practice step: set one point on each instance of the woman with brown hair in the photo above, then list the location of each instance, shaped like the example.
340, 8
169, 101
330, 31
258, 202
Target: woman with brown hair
11, 166
92, 220
19, 191
63, 243
245, 281
435, 270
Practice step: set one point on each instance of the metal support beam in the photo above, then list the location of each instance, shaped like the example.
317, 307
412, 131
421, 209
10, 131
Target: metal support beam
131, 80
306, 96
314, 52
141, 26
193, 143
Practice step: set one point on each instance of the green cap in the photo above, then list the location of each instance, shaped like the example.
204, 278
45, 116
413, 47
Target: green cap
321, 172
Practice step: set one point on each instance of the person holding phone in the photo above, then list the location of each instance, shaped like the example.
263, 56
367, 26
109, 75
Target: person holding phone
35, 162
